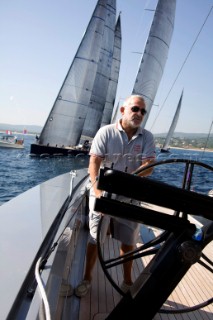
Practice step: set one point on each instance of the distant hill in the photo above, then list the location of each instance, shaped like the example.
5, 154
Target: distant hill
20, 128
184, 135
37, 129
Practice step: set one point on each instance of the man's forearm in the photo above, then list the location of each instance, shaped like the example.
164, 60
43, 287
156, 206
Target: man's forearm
94, 168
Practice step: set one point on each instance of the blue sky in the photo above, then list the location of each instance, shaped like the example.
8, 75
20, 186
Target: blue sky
38, 40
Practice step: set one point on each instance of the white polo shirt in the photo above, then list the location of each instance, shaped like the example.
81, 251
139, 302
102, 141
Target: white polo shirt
111, 143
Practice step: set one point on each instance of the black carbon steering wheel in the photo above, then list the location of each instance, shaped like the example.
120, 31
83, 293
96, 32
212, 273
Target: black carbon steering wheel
190, 174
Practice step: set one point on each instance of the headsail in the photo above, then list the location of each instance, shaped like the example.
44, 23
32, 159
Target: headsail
155, 54
66, 119
172, 127
101, 83
113, 82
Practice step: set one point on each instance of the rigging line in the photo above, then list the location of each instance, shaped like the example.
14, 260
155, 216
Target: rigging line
184, 62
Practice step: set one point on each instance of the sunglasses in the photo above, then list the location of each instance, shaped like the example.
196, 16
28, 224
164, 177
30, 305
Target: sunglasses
136, 109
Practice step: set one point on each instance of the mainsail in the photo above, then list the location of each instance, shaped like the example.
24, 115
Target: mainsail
101, 83
113, 81
65, 122
154, 58
165, 147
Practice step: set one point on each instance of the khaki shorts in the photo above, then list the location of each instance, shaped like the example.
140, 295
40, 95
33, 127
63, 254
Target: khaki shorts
123, 230
94, 218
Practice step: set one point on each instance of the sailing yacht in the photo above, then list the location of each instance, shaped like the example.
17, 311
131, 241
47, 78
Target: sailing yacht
43, 250
165, 147
153, 60
79, 95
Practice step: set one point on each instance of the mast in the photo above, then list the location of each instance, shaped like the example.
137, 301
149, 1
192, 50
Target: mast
154, 58
99, 92
173, 125
64, 124
113, 82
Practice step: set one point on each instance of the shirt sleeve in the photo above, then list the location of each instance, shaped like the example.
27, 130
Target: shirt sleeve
98, 147
149, 148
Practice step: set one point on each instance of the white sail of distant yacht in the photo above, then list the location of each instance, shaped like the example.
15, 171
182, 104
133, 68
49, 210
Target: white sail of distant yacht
170, 133
99, 92
155, 54
115, 114
66, 119
113, 82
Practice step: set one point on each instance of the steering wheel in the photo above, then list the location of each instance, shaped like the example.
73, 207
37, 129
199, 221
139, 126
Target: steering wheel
190, 174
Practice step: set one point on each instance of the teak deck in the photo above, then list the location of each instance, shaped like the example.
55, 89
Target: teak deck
195, 288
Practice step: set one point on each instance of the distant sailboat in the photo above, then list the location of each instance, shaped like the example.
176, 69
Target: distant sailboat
165, 147
154, 58
64, 125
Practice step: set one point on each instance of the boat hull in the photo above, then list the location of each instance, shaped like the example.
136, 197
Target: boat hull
11, 145
38, 149
58, 221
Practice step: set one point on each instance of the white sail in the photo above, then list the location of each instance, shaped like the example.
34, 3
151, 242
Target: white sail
101, 83
173, 126
66, 119
154, 58
116, 113
113, 82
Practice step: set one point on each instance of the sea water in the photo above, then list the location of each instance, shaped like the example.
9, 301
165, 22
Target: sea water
20, 172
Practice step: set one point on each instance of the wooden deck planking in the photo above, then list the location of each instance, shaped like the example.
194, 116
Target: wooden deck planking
107, 288
195, 288
192, 290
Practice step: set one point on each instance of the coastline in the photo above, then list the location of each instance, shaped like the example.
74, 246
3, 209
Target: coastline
193, 149
178, 148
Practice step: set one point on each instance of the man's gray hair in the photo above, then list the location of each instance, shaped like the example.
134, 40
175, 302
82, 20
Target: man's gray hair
126, 101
